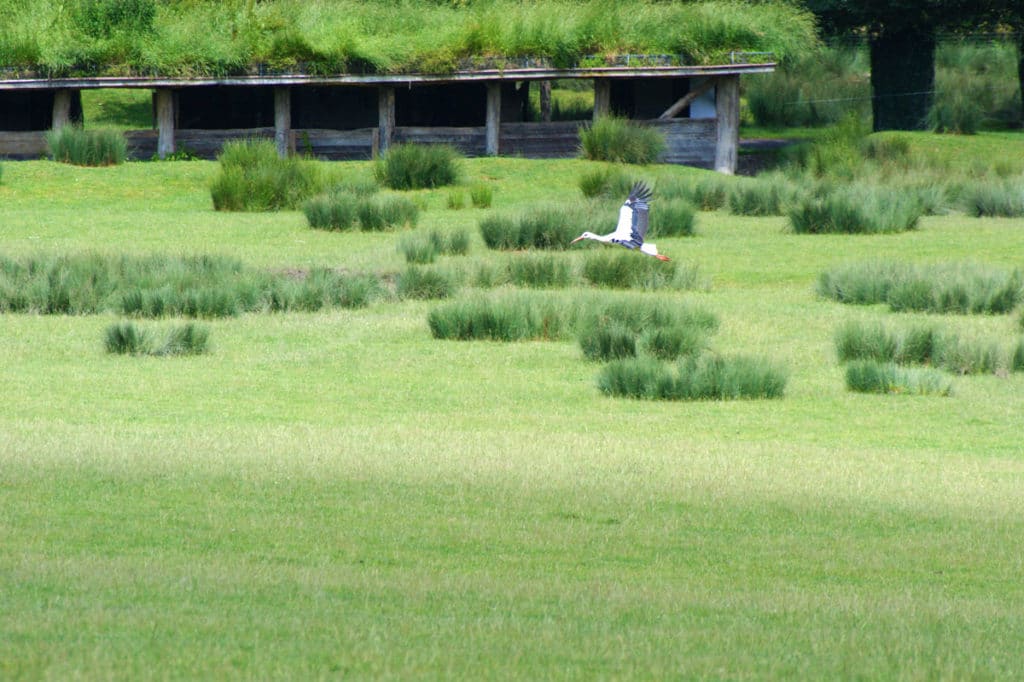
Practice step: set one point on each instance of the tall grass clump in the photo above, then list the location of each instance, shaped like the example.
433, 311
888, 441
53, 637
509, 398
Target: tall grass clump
616, 139
609, 181
1001, 199
856, 210
386, 211
866, 341
127, 338
320, 288
672, 218
511, 316
706, 377
708, 193
608, 342
81, 147
334, 211
481, 195
936, 288
417, 166
618, 268
253, 178
871, 376
551, 226
425, 283
1017, 357
539, 271
764, 196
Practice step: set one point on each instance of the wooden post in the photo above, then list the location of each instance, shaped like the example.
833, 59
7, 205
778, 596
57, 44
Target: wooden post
727, 111
61, 108
165, 115
545, 101
493, 124
602, 97
386, 117
284, 137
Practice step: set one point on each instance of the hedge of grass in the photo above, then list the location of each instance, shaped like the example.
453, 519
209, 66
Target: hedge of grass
705, 377
160, 286
92, 147
936, 288
179, 38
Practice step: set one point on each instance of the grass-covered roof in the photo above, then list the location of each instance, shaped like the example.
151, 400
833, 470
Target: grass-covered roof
187, 38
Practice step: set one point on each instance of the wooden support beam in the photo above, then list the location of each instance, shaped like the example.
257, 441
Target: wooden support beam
727, 110
165, 122
61, 108
493, 123
284, 136
385, 117
687, 99
545, 101
602, 97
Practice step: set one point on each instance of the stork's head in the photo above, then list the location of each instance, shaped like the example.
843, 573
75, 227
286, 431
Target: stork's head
585, 235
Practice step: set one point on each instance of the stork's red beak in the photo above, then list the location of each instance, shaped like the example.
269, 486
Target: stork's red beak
575, 240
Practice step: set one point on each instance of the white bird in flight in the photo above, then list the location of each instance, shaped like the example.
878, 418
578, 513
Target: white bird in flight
632, 227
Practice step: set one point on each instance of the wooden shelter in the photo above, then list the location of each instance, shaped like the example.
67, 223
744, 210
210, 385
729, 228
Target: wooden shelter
480, 111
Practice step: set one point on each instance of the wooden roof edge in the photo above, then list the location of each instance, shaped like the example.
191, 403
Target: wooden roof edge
516, 74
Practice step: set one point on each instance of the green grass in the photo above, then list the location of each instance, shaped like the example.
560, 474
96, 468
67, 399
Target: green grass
338, 494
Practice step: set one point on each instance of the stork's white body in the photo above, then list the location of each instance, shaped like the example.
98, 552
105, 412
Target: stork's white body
632, 225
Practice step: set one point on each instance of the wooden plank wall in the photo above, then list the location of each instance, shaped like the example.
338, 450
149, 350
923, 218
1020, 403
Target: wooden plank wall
689, 141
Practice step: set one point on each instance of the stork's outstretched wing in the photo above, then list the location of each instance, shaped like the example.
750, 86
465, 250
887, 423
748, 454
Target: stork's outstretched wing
639, 197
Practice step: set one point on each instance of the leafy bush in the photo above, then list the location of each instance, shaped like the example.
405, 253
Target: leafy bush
707, 377
81, 147
425, 283
869, 376
856, 210
253, 178
418, 166
620, 140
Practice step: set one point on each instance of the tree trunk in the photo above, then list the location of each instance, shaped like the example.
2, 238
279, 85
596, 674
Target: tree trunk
902, 78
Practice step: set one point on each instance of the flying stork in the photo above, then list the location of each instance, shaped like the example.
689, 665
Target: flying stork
632, 227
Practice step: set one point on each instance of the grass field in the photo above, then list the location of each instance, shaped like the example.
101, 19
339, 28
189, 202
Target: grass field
340, 495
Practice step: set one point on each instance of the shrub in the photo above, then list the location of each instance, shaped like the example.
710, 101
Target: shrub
417, 166
253, 178
335, 211
539, 270
481, 195
616, 139
707, 377
857, 210
869, 376
75, 145
672, 218
425, 283
995, 199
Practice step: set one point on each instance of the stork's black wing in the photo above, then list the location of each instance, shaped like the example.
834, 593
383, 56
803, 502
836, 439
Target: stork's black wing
638, 200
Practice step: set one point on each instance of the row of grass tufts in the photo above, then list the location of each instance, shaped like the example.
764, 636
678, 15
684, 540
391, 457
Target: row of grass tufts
856, 210
872, 376
705, 377
158, 286
80, 147
924, 344
935, 288
252, 177
343, 210
127, 338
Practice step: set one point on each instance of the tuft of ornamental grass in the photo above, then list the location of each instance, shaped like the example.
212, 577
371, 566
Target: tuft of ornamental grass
620, 140
672, 342
1, 174
547, 226
706, 377
856, 210
319, 289
481, 195
709, 193
618, 268
672, 218
936, 288
608, 342
971, 356
425, 283
1000, 199
1017, 357
127, 338
386, 211
510, 316
456, 200
765, 196
870, 376
611, 182
94, 147
875, 341
539, 270
424, 247
419, 166
253, 178
333, 211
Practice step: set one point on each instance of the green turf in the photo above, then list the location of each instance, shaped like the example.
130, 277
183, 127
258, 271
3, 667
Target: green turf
340, 495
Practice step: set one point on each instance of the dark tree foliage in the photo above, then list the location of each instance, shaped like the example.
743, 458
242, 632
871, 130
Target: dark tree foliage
902, 36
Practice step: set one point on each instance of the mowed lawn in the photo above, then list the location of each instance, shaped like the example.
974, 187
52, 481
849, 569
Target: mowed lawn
338, 495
